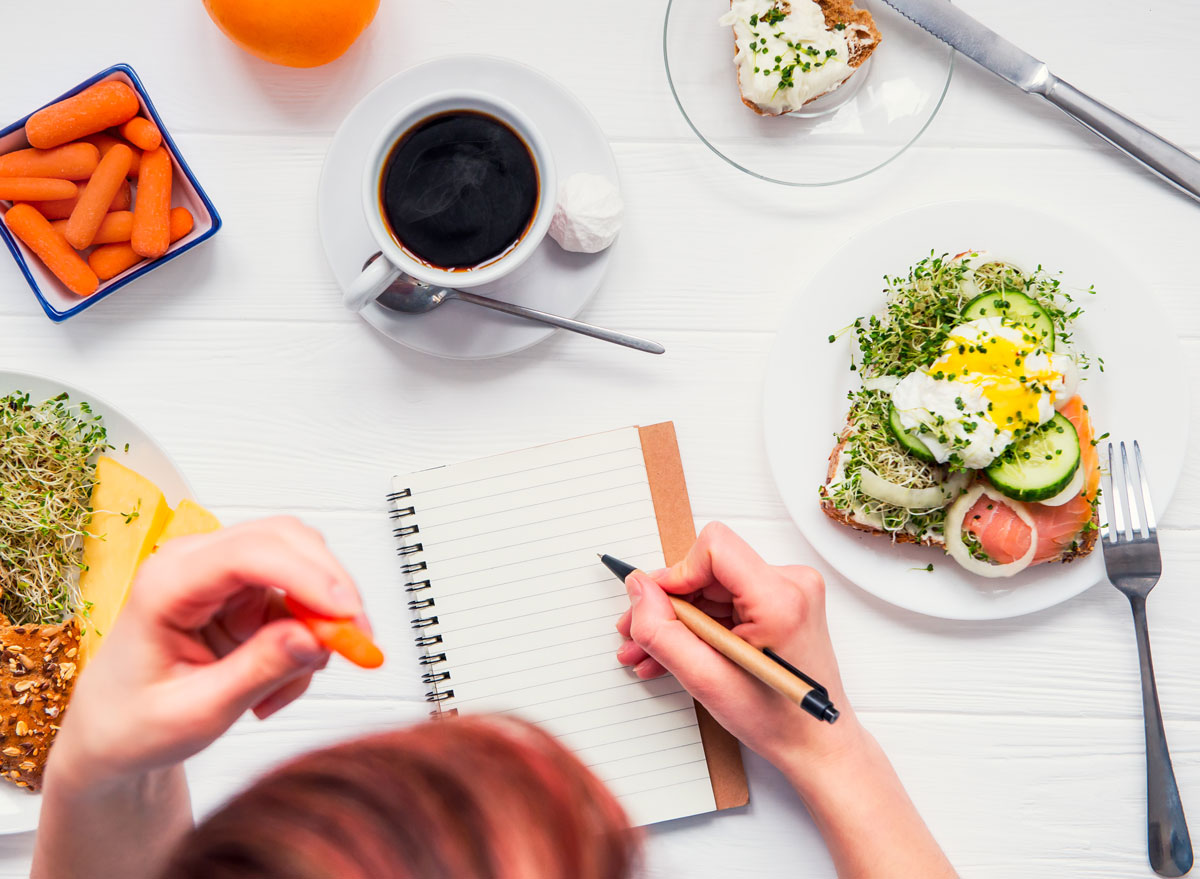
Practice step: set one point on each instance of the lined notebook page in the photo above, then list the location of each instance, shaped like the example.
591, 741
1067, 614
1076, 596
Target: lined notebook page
526, 612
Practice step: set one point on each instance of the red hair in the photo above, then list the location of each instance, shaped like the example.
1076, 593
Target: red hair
463, 798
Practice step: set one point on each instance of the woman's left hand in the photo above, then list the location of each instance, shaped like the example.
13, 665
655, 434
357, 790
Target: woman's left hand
203, 637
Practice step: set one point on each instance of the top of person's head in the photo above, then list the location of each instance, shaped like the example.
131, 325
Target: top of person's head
464, 798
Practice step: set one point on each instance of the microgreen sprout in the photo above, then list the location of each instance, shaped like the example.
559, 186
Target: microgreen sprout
47, 469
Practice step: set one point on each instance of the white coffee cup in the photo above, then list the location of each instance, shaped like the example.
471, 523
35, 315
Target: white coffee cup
376, 277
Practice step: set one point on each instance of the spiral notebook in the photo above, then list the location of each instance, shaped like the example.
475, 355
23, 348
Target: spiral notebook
514, 613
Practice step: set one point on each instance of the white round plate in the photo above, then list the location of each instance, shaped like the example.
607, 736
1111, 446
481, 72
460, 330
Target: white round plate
551, 280
1141, 394
864, 124
19, 809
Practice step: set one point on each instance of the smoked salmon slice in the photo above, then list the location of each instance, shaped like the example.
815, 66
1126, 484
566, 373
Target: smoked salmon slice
1077, 413
1001, 533
1005, 537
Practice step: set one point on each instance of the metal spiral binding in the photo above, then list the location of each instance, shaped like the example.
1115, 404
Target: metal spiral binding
411, 567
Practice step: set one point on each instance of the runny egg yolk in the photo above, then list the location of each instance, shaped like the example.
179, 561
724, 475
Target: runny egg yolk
1011, 373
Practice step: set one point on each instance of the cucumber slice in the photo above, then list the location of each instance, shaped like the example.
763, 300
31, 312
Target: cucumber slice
1015, 306
910, 443
1040, 465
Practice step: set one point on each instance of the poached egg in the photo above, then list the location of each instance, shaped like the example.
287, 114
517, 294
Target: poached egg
994, 381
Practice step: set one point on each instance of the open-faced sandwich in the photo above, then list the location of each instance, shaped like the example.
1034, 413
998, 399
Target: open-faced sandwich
967, 431
74, 527
790, 52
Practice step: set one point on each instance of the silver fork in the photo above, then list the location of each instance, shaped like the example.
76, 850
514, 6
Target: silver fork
1134, 565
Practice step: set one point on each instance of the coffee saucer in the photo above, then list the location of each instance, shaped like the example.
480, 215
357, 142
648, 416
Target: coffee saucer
550, 280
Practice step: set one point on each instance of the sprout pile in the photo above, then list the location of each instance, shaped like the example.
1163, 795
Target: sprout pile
47, 468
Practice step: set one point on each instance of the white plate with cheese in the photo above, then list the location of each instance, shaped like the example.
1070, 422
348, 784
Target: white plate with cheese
1141, 393
131, 446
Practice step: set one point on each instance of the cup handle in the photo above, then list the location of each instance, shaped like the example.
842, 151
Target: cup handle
374, 279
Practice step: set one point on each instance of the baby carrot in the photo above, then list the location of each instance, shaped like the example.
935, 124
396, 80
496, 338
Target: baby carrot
60, 209
114, 229
93, 203
36, 188
142, 133
52, 249
94, 109
110, 260
151, 220
340, 636
73, 161
105, 142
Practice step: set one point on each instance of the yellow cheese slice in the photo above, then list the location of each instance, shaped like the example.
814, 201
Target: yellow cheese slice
188, 518
129, 513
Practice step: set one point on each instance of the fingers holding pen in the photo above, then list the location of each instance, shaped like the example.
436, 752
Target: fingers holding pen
667, 644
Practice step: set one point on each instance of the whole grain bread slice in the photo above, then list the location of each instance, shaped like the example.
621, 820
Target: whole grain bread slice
862, 38
1084, 543
37, 674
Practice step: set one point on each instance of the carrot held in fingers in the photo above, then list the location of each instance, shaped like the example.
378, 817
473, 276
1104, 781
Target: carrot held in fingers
151, 213
110, 260
115, 228
36, 188
74, 161
142, 133
96, 108
105, 142
340, 636
52, 249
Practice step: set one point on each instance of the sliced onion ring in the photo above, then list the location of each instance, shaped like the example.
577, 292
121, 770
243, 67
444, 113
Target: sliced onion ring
911, 498
957, 549
885, 383
1069, 493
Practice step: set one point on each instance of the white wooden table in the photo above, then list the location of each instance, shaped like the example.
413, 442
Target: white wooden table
1021, 740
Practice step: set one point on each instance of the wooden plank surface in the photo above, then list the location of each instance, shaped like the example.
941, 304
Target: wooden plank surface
1020, 740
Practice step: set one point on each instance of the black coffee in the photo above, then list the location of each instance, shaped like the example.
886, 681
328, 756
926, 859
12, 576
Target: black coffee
459, 189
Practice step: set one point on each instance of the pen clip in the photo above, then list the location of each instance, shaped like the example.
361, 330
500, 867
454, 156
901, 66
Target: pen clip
771, 654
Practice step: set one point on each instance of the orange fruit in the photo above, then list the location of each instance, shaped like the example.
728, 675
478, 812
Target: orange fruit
295, 33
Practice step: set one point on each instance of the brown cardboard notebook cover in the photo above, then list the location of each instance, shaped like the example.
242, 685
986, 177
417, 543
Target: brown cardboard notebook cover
677, 531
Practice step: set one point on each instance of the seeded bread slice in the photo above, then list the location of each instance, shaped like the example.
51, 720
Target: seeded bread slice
37, 674
862, 38
1083, 545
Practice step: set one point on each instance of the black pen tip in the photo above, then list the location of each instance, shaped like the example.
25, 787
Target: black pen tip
619, 568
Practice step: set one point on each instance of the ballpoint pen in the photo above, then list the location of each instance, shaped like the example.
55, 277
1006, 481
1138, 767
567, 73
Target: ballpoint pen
766, 665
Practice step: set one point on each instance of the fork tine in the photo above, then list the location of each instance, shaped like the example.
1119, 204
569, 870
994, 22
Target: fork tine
1116, 494
1112, 515
1151, 526
1133, 502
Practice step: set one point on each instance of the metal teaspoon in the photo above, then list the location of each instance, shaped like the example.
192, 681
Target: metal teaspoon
408, 295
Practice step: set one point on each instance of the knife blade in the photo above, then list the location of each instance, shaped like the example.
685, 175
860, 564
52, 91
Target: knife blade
990, 50
979, 43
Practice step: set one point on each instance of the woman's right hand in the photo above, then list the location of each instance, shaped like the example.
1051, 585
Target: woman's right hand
778, 607
203, 638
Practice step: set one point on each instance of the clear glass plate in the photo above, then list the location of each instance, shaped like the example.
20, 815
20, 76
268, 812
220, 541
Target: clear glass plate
858, 128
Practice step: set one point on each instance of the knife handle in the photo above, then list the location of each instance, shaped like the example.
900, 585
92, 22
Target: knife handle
1168, 161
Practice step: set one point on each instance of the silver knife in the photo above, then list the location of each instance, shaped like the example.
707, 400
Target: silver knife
987, 48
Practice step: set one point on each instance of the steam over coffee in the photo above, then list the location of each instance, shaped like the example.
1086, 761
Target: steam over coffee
459, 190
